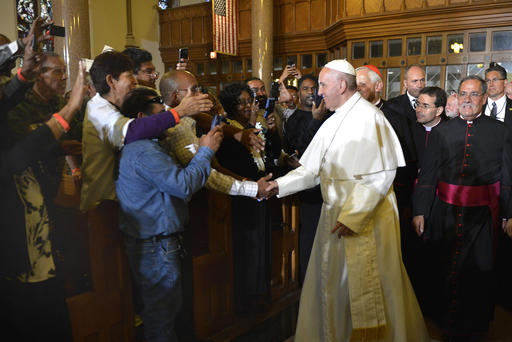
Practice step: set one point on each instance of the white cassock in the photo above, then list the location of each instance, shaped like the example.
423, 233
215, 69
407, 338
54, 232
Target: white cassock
356, 287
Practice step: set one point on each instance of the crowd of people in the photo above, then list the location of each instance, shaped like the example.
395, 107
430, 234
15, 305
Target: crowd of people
404, 204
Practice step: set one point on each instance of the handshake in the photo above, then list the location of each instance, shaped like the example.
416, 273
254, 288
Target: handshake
266, 187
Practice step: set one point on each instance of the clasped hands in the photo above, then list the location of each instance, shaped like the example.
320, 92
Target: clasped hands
266, 187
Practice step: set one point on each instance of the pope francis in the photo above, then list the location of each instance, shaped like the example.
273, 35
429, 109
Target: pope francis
356, 286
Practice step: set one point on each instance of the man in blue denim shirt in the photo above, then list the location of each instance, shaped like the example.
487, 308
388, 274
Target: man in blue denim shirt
153, 192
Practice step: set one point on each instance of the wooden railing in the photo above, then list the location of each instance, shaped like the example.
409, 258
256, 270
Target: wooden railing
98, 281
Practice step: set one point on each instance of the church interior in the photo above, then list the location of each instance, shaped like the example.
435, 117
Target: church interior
450, 39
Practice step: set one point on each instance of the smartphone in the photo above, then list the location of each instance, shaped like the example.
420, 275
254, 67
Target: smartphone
318, 99
55, 30
274, 90
217, 119
183, 54
35, 45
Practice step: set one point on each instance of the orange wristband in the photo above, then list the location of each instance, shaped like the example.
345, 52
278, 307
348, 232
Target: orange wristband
63, 123
20, 76
75, 170
175, 114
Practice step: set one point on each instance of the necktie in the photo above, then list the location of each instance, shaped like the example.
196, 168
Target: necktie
414, 104
494, 111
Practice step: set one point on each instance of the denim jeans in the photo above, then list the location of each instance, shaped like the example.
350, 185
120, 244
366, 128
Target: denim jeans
156, 267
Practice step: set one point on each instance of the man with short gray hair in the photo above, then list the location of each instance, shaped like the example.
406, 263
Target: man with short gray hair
465, 174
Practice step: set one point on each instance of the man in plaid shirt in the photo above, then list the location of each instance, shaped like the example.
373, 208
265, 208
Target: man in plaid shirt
182, 142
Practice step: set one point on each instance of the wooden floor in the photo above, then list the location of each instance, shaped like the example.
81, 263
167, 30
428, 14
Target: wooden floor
500, 330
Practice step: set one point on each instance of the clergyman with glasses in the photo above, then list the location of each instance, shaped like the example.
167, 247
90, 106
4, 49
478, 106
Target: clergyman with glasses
465, 174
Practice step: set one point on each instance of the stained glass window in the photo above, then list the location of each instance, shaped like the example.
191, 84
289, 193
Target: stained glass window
27, 11
163, 4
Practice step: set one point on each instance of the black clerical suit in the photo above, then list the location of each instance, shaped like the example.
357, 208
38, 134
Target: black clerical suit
421, 138
457, 188
402, 105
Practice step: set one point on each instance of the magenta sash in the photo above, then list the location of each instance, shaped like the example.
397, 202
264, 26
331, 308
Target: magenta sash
472, 196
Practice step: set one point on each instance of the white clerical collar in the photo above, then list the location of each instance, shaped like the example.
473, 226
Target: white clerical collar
429, 128
469, 121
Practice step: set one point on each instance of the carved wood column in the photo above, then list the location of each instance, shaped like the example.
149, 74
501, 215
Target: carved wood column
262, 26
130, 38
74, 16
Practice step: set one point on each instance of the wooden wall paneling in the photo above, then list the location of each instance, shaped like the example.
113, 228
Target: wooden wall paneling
176, 32
434, 3
393, 5
244, 24
185, 28
287, 18
318, 17
354, 7
207, 29
413, 4
302, 16
197, 30
372, 6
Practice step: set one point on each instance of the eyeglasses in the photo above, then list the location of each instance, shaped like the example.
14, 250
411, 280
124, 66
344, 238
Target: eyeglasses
255, 90
243, 103
473, 94
151, 73
425, 105
157, 99
194, 89
494, 80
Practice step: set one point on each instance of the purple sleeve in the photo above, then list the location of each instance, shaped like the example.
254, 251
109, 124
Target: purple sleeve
149, 127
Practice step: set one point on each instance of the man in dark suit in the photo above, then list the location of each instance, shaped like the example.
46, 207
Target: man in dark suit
369, 85
414, 81
498, 105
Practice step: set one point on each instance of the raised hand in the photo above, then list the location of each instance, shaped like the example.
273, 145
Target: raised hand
320, 111
250, 139
213, 139
194, 104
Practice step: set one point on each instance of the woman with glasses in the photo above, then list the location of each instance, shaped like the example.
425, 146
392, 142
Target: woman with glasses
251, 219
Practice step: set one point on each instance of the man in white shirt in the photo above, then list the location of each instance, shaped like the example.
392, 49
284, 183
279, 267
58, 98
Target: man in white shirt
498, 106
106, 130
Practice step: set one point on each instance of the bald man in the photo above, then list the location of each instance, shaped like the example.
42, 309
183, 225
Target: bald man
182, 141
356, 285
414, 81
